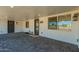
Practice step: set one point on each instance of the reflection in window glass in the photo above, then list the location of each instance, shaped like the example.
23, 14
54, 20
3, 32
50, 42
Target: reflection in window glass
75, 17
64, 22
52, 23
27, 24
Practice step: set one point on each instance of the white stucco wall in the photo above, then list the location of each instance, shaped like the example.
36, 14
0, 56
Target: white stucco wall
24, 27
76, 32
31, 26
19, 26
3, 25
61, 35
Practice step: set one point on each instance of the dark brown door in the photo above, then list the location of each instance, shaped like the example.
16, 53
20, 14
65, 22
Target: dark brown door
36, 26
10, 26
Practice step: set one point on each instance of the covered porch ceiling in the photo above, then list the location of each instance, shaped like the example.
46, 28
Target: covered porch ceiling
29, 12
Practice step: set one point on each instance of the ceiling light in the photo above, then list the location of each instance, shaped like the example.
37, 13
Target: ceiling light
11, 6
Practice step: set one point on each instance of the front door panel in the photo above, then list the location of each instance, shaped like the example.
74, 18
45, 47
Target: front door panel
36, 27
10, 26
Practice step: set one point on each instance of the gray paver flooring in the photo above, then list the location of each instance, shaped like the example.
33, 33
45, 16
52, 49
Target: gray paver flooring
21, 42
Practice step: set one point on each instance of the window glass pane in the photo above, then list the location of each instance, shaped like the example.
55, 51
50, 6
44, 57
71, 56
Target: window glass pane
75, 17
52, 23
27, 24
64, 22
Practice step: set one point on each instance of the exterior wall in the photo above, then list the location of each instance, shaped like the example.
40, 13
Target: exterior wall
76, 32
61, 35
24, 27
43, 27
31, 26
3, 25
19, 26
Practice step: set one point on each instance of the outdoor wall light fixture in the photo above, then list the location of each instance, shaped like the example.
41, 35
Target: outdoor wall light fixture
41, 21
